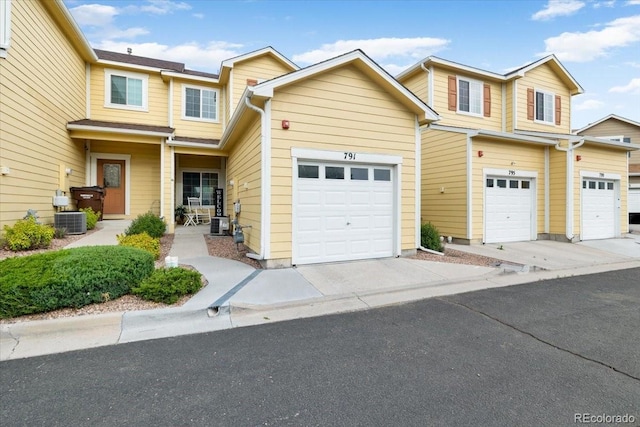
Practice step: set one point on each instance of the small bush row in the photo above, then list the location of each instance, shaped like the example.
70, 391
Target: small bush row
167, 285
70, 278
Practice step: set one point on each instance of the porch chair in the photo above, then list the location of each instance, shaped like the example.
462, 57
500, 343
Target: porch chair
200, 214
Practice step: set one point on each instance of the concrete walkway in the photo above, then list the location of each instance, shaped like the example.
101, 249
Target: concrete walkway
239, 295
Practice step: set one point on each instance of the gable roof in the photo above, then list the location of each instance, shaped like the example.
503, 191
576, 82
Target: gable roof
228, 64
551, 60
366, 64
358, 58
604, 119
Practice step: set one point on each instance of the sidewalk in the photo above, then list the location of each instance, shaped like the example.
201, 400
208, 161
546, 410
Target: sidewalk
238, 295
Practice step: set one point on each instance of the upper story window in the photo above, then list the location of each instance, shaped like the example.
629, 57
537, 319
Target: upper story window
5, 26
544, 107
469, 96
126, 90
200, 103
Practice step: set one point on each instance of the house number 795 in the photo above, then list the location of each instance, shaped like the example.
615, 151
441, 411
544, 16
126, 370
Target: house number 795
349, 156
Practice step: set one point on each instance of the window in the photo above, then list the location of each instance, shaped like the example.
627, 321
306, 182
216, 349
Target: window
502, 183
359, 174
382, 175
545, 107
5, 26
200, 103
489, 182
308, 171
199, 184
609, 185
513, 183
333, 172
470, 96
525, 185
620, 138
126, 90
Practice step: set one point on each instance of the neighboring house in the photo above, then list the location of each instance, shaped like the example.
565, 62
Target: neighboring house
616, 128
322, 162
502, 165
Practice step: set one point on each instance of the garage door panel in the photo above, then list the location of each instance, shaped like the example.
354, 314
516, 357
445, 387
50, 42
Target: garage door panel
508, 210
335, 223
598, 209
309, 224
352, 217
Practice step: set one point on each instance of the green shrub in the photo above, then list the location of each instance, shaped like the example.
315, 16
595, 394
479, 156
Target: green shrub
141, 241
149, 223
60, 233
430, 237
167, 285
70, 278
28, 234
92, 217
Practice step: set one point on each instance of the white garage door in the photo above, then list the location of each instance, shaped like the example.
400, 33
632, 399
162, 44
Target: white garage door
598, 209
634, 200
508, 209
343, 212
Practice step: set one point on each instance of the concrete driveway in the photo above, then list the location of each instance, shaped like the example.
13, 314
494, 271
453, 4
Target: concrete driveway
552, 255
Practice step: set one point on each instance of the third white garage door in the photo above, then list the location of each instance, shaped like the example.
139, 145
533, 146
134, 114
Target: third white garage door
598, 209
343, 212
508, 209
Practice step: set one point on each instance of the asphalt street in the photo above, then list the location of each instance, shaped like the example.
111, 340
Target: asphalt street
539, 354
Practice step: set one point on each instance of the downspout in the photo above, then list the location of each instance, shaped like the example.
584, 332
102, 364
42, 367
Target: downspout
569, 183
263, 195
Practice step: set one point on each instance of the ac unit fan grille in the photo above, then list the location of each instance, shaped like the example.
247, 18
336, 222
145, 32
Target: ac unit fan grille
72, 222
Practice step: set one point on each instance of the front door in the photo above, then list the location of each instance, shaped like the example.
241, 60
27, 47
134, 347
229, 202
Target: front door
111, 176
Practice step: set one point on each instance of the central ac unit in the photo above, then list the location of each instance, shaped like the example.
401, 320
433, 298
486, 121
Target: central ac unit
72, 222
219, 225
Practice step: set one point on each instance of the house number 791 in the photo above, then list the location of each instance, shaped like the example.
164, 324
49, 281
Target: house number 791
349, 156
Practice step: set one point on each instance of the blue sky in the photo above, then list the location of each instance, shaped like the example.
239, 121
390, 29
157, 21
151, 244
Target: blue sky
597, 41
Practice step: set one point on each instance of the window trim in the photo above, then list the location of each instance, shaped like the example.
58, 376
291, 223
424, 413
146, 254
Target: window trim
481, 88
552, 106
5, 27
108, 73
183, 111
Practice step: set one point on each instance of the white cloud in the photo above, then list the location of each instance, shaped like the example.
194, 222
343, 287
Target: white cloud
600, 4
633, 64
633, 3
590, 104
162, 7
196, 56
583, 47
378, 49
632, 88
557, 8
198, 15
97, 15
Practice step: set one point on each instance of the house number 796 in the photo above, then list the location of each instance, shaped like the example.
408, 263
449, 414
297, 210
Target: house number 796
349, 156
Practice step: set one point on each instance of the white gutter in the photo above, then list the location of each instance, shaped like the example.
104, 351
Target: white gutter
162, 169
265, 194
118, 130
429, 88
418, 181
569, 183
178, 143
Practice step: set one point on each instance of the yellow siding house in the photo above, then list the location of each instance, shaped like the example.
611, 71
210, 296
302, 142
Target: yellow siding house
502, 164
318, 164
621, 129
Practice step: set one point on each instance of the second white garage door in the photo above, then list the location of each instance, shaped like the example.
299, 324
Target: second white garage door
508, 209
343, 212
598, 209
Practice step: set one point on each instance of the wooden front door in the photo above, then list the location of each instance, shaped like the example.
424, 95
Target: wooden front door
111, 175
